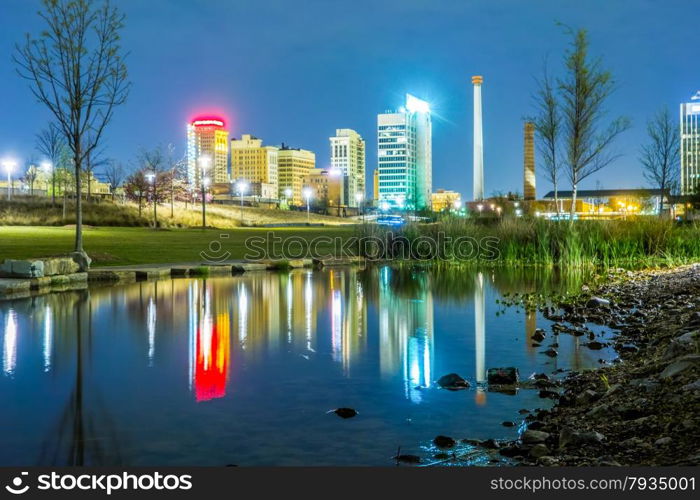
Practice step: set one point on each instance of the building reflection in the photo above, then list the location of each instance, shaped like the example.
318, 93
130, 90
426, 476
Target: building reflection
406, 340
209, 344
9, 351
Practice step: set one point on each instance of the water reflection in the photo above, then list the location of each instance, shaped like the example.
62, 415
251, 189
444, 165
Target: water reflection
254, 347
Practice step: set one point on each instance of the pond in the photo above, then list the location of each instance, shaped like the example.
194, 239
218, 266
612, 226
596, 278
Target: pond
243, 370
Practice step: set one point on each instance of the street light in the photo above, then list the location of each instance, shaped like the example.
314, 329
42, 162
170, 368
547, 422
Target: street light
204, 163
242, 187
480, 207
9, 166
457, 204
151, 178
358, 198
308, 193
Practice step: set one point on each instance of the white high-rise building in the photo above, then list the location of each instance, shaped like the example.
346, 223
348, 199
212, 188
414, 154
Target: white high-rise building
348, 157
478, 141
690, 145
405, 156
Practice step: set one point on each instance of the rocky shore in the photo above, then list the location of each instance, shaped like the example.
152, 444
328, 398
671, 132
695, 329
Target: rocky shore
643, 409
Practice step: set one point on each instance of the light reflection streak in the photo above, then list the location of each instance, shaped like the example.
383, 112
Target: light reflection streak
9, 353
480, 338
48, 337
151, 326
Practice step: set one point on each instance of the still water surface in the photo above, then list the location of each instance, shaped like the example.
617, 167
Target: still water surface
242, 370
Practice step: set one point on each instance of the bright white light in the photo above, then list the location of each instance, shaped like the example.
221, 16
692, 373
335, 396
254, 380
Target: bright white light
46, 166
9, 165
206, 181
384, 206
150, 177
415, 105
204, 162
518, 212
335, 172
242, 187
359, 197
457, 204
480, 207
288, 192
308, 193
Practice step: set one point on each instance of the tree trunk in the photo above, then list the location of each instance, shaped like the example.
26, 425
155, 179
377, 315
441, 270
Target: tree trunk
78, 203
661, 200
53, 186
573, 203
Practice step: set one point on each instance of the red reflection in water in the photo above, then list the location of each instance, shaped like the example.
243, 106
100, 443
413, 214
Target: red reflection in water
212, 362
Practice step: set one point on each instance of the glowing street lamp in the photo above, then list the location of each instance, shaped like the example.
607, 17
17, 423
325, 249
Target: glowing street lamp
498, 211
288, 194
151, 178
457, 204
242, 188
480, 207
307, 192
9, 166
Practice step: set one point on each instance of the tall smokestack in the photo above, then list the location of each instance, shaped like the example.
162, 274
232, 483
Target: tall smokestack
529, 190
478, 141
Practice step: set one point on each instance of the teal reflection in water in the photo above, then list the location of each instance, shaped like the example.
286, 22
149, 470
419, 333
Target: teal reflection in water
243, 369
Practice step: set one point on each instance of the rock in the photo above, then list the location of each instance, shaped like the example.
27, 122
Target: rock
491, 444
538, 336
549, 394
539, 450
534, 437
508, 424
10, 286
551, 352
453, 382
513, 451
663, 441
590, 437
595, 345
597, 302
82, 259
410, 459
692, 386
55, 266
680, 365
344, 412
22, 268
503, 376
586, 397
547, 461
681, 345
444, 442
599, 411
568, 437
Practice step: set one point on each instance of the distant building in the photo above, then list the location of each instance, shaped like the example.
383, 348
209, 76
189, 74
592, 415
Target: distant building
609, 202
690, 145
443, 199
207, 150
375, 185
255, 164
348, 156
294, 167
529, 190
327, 185
405, 155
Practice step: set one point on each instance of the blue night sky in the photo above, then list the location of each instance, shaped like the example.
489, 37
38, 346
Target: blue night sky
295, 70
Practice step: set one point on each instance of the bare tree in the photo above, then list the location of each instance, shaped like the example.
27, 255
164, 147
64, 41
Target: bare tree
30, 175
51, 144
136, 188
548, 127
152, 162
94, 160
661, 156
115, 175
584, 90
76, 67
175, 167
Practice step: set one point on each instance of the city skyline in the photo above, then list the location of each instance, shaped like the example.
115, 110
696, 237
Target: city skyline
273, 109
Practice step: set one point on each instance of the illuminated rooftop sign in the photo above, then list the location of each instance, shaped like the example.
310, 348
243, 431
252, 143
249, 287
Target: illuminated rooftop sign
208, 122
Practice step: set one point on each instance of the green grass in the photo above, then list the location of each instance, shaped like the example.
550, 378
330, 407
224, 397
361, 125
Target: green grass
114, 246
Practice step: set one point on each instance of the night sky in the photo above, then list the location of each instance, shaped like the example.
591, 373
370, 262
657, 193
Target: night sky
295, 70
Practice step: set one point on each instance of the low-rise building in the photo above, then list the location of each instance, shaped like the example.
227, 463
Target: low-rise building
444, 199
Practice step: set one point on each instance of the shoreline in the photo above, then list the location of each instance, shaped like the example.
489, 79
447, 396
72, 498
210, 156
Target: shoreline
643, 409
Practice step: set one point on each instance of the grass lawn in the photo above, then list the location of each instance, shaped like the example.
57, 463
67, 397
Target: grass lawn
115, 246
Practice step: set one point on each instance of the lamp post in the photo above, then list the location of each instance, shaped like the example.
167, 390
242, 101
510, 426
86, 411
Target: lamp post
9, 167
358, 198
151, 178
204, 162
307, 192
242, 188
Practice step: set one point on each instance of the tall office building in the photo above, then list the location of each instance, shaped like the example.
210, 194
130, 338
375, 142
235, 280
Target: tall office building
529, 189
405, 155
348, 157
294, 166
255, 164
207, 151
690, 145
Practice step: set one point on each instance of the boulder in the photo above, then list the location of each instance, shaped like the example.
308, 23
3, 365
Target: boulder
452, 382
594, 302
22, 268
595, 345
344, 412
539, 450
503, 376
568, 437
55, 266
680, 365
444, 442
534, 437
539, 335
551, 352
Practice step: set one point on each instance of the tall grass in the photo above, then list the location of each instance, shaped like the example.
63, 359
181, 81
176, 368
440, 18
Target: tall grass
634, 242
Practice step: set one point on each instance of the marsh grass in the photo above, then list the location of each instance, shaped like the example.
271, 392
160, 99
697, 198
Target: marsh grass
634, 242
